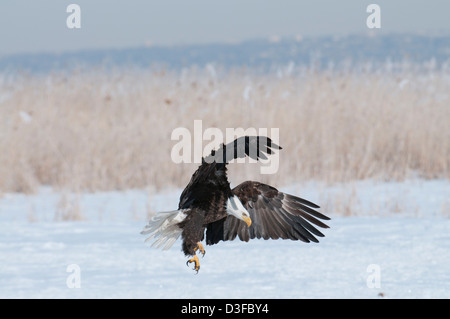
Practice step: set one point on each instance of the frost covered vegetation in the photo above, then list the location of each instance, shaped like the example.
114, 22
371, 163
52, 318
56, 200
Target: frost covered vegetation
104, 130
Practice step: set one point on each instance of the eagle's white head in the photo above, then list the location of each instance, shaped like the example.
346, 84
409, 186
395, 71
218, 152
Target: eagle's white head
235, 208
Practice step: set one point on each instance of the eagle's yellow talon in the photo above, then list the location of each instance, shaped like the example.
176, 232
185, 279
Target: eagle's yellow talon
194, 260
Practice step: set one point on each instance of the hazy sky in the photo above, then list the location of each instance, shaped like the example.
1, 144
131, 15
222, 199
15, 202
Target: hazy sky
40, 25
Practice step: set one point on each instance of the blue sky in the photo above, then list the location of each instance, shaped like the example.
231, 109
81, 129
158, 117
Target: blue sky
40, 26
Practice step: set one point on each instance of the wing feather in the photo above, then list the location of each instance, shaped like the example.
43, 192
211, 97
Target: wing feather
274, 215
252, 146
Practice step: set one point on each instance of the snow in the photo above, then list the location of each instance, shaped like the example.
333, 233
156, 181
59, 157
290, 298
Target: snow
380, 250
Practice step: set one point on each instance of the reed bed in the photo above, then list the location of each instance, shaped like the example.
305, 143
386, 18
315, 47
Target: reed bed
111, 129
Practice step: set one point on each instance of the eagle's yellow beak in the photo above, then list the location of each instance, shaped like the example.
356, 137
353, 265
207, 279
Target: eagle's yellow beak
247, 220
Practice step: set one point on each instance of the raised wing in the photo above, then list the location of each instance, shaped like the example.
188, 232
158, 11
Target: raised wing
211, 178
253, 146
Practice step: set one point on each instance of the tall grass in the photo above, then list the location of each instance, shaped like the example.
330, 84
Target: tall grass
104, 130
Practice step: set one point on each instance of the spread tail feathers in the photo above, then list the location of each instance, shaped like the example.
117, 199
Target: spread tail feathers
163, 228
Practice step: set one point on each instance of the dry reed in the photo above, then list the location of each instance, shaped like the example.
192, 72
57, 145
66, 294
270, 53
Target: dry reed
104, 130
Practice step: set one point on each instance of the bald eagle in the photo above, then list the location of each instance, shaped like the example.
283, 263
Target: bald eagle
250, 210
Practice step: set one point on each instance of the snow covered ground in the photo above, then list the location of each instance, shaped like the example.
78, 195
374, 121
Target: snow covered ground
395, 243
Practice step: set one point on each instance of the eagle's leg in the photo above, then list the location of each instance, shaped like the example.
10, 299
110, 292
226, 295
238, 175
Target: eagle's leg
195, 258
200, 247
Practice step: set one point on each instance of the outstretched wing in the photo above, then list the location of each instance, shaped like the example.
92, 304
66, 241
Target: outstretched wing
274, 215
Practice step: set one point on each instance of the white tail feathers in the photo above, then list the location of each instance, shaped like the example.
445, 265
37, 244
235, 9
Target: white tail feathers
163, 228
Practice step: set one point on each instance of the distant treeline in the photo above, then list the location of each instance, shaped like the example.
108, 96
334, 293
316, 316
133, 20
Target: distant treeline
259, 55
